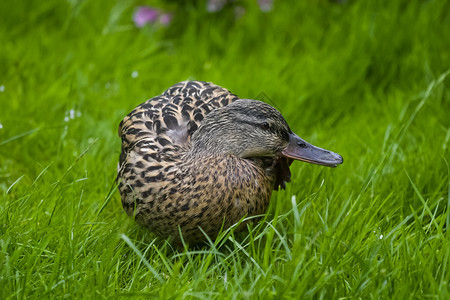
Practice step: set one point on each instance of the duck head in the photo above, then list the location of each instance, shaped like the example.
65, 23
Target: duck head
252, 129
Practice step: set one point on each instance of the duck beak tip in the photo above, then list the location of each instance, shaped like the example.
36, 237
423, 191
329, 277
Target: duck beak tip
299, 149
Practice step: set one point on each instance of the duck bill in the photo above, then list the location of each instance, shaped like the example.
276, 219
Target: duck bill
299, 149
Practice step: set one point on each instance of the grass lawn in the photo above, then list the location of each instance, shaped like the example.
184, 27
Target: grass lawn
366, 79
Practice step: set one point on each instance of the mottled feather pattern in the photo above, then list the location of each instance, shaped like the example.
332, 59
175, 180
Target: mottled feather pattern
197, 159
182, 107
152, 174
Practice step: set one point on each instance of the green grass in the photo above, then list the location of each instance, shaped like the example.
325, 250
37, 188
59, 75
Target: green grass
367, 79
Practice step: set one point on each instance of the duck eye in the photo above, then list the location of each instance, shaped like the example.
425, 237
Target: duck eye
265, 126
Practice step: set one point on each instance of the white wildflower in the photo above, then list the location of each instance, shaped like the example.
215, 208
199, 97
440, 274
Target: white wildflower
71, 114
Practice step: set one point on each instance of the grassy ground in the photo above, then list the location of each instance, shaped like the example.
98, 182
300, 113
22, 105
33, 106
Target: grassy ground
367, 79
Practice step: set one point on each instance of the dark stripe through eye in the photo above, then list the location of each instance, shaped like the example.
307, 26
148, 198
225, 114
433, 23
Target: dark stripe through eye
265, 126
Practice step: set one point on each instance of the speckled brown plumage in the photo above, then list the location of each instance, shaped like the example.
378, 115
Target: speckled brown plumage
198, 156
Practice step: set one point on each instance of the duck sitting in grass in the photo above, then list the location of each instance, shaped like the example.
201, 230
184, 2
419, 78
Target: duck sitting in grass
198, 156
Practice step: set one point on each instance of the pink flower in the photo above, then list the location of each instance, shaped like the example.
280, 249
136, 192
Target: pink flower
265, 5
165, 19
144, 15
215, 5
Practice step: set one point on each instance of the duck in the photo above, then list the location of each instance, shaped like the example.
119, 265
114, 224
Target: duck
197, 159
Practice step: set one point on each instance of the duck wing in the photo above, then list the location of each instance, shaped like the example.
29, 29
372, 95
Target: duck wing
166, 122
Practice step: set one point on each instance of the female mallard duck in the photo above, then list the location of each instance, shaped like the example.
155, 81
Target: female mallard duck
198, 156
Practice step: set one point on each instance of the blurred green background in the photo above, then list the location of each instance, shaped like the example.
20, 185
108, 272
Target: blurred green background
366, 79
